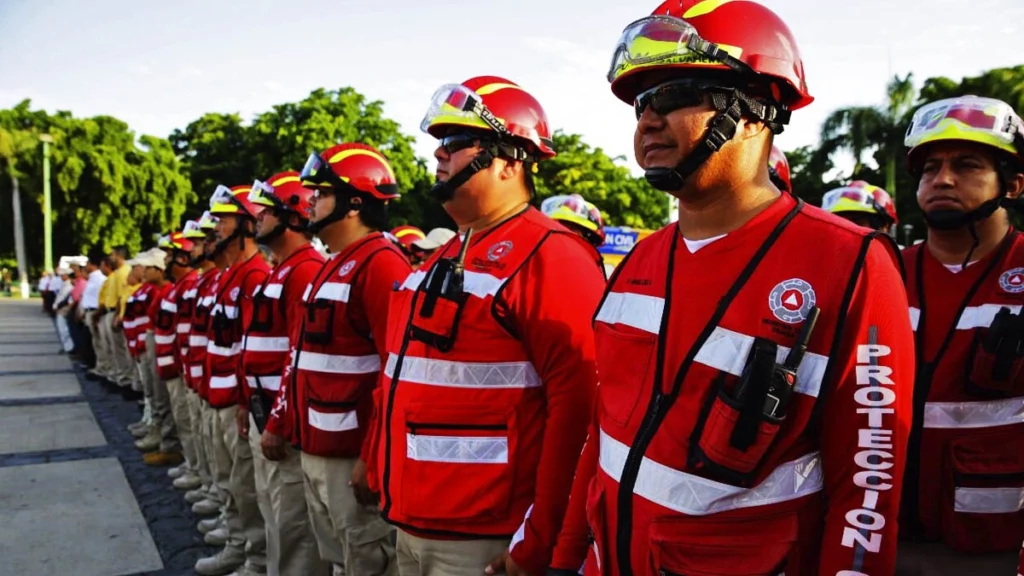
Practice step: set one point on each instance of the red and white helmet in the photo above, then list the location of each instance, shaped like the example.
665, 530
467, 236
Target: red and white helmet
352, 166
234, 200
283, 192
779, 166
859, 196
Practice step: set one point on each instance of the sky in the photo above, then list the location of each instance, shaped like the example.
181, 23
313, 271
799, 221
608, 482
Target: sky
159, 65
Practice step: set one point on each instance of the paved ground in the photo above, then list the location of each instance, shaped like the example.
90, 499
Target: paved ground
75, 497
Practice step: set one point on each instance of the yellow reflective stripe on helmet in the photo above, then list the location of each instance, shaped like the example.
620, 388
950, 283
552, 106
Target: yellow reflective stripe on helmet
494, 87
847, 205
285, 180
360, 152
666, 54
951, 129
467, 121
705, 7
226, 208
567, 215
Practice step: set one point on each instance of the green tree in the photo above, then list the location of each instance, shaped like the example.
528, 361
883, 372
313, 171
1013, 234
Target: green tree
106, 188
213, 149
623, 199
1006, 84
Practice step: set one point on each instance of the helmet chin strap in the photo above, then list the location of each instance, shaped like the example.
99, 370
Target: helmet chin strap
957, 219
445, 191
721, 128
342, 206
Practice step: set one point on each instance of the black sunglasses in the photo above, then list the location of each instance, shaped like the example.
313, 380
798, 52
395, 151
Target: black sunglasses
671, 96
453, 143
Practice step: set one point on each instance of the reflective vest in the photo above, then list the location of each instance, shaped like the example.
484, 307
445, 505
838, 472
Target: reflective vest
197, 338
164, 324
186, 290
336, 363
462, 425
226, 329
695, 475
265, 346
965, 473
135, 322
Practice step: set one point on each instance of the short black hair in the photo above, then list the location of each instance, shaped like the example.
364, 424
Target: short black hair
121, 251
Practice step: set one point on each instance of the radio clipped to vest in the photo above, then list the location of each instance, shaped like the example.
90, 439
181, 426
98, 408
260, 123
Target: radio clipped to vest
997, 356
223, 329
164, 320
436, 318
259, 405
740, 427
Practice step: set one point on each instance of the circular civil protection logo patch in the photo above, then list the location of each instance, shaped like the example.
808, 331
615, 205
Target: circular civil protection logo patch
791, 300
234, 293
499, 250
1012, 281
347, 267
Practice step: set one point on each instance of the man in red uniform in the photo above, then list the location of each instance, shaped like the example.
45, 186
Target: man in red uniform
283, 205
490, 377
754, 405
158, 340
232, 306
962, 509
863, 204
338, 353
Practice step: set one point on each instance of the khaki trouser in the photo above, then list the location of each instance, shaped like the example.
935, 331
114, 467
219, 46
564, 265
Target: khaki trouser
164, 415
935, 559
146, 363
99, 344
207, 418
124, 370
181, 413
236, 478
347, 533
424, 557
291, 547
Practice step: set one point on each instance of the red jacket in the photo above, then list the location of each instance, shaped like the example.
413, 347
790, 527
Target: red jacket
195, 360
965, 477
136, 322
277, 313
682, 486
338, 349
232, 303
481, 440
185, 291
163, 320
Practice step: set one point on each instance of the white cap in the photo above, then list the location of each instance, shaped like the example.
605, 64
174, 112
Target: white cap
435, 239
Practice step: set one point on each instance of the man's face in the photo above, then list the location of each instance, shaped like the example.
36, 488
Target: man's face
321, 205
226, 226
210, 243
153, 274
672, 122
957, 176
266, 221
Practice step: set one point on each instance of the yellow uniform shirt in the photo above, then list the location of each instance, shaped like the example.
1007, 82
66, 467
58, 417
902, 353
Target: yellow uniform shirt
117, 283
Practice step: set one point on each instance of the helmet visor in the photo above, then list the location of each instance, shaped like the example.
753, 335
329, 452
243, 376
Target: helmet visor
262, 194
983, 120
208, 221
848, 199
662, 40
456, 104
317, 173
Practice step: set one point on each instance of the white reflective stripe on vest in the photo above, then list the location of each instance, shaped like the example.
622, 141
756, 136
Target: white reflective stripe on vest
141, 338
168, 306
983, 414
165, 360
727, 351
195, 371
338, 363
915, 317
982, 316
220, 382
207, 300
334, 291
230, 311
183, 328
198, 341
478, 284
133, 323
235, 348
333, 422
696, 496
988, 500
165, 338
636, 310
265, 344
190, 294
464, 374
273, 291
457, 449
269, 383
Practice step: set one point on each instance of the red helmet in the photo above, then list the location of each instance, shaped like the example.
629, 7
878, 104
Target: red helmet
490, 103
178, 241
859, 196
351, 165
406, 235
743, 35
780, 166
283, 191
234, 200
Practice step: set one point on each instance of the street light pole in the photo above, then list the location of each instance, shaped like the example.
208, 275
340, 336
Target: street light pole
46, 139
907, 230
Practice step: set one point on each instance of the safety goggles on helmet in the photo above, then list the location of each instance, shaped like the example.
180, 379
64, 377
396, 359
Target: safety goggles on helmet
668, 40
221, 195
853, 199
456, 104
192, 230
164, 241
573, 208
317, 173
262, 194
971, 118
208, 221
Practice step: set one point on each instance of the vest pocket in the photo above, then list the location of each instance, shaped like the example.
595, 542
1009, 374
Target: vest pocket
736, 463
319, 322
993, 368
624, 380
702, 546
332, 428
262, 313
459, 463
983, 491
